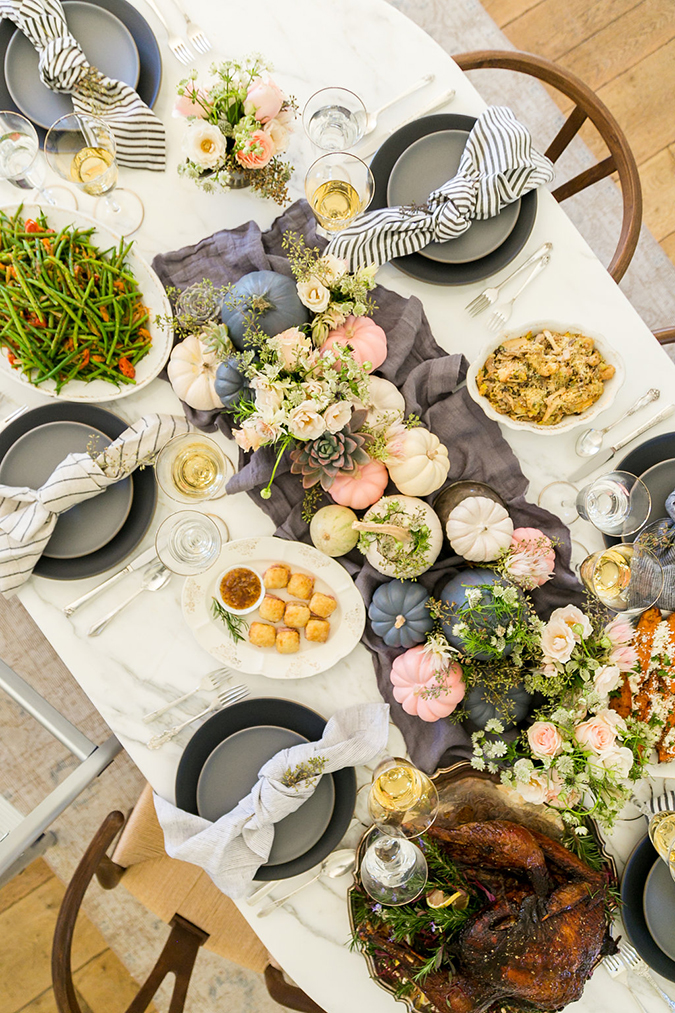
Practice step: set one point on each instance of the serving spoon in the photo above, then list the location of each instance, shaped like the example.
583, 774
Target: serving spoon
590, 441
337, 864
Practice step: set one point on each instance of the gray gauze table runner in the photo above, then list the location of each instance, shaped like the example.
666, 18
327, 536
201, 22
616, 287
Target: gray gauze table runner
432, 383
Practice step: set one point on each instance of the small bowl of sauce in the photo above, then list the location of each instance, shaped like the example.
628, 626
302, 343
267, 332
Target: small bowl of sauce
240, 590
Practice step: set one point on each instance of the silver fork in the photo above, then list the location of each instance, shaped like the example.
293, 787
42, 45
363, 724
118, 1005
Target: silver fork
615, 966
635, 963
177, 45
210, 683
501, 313
225, 698
490, 295
195, 34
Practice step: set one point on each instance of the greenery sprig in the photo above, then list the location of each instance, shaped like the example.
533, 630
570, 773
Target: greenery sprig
235, 624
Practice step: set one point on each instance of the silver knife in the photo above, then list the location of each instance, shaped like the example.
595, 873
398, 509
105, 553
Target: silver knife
440, 100
606, 455
135, 564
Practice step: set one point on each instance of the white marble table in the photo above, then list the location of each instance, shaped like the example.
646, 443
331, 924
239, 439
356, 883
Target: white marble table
148, 655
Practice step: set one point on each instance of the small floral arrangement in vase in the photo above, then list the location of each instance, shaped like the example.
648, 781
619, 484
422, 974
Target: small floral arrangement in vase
238, 126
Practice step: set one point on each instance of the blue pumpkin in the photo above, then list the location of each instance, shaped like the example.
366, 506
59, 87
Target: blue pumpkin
399, 614
480, 709
454, 596
231, 384
268, 300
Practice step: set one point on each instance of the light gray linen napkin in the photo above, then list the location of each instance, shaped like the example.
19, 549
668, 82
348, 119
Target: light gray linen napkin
233, 848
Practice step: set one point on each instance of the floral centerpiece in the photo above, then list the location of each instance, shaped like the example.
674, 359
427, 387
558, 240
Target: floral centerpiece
238, 126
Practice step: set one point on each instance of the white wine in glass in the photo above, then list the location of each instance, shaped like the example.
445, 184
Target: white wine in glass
625, 577
335, 203
338, 186
662, 832
95, 170
403, 801
191, 467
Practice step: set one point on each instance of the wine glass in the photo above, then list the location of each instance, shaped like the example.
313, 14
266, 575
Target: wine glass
338, 186
403, 803
189, 542
334, 119
20, 162
617, 503
191, 468
626, 577
82, 148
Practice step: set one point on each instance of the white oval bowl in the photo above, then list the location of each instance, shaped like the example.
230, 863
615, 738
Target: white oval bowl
612, 386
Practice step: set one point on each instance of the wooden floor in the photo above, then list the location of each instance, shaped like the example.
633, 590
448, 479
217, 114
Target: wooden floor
29, 905
625, 51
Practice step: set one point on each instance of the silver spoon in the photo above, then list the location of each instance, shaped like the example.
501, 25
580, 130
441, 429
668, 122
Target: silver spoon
590, 441
337, 864
153, 580
372, 118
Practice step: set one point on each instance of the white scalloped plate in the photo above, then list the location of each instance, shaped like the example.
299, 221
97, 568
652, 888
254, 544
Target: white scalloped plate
347, 622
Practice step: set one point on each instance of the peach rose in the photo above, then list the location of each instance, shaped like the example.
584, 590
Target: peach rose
264, 100
544, 739
573, 616
290, 346
256, 151
596, 733
254, 433
557, 641
280, 135
560, 795
535, 790
607, 678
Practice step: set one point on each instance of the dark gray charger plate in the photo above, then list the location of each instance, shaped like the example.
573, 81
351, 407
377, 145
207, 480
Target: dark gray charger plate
143, 485
640, 459
638, 867
285, 714
150, 76
418, 266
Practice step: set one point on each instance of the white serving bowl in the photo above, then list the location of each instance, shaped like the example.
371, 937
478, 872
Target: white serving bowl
570, 421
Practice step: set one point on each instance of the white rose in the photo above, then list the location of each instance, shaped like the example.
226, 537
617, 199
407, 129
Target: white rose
204, 144
613, 719
337, 416
557, 641
618, 761
333, 268
573, 616
313, 295
267, 394
290, 345
305, 423
279, 134
606, 679
535, 790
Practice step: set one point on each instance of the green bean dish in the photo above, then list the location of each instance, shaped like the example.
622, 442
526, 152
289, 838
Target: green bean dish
68, 310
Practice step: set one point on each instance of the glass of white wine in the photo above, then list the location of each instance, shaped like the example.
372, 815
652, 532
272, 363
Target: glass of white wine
334, 119
82, 149
403, 803
192, 468
338, 186
625, 577
21, 164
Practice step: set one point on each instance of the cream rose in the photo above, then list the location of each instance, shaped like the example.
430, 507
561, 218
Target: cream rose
596, 733
280, 135
337, 416
313, 295
290, 346
544, 739
573, 616
267, 394
606, 679
305, 423
332, 268
617, 761
254, 433
557, 640
204, 144
535, 790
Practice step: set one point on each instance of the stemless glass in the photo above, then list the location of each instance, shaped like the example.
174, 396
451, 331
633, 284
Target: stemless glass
338, 186
626, 578
20, 162
334, 119
189, 542
82, 148
191, 468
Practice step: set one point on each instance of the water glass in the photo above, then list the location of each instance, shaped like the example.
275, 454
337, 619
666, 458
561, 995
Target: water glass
20, 162
334, 119
393, 871
339, 187
625, 578
617, 503
82, 149
192, 468
189, 542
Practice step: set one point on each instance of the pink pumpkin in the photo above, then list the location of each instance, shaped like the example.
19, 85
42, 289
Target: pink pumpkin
366, 339
361, 488
415, 673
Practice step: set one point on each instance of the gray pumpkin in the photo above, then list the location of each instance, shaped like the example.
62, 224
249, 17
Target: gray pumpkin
399, 615
230, 383
480, 709
453, 597
269, 300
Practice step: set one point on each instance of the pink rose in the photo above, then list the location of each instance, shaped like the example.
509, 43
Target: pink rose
624, 657
596, 733
532, 557
290, 346
263, 99
544, 739
256, 151
560, 795
573, 616
606, 679
619, 633
557, 641
185, 104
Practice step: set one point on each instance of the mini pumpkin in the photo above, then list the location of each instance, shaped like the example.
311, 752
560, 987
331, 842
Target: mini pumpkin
479, 529
387, 403
366, 339
265, 298
331, 530
402, 536
419, 462
192, 373
361, 488
480, 708
230, 384
399, 614
425, 688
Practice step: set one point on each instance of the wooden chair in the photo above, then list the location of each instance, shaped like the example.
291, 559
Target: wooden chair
587, 106
178, 893
665, 336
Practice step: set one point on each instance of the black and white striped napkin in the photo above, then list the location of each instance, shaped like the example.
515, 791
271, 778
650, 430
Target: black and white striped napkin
28, 516
139, 134
499, 164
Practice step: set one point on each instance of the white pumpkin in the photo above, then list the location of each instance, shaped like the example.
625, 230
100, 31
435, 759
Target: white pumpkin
419, 462
388, 404
394, 551
479, 529
192, 372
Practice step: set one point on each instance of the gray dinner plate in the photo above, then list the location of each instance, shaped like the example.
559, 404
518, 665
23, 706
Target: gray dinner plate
659, 905
660, 480
230, 772
88, 526
424, 166
106, 42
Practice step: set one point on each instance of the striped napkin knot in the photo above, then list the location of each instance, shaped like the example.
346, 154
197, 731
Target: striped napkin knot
62, 63
499, 165
28, 516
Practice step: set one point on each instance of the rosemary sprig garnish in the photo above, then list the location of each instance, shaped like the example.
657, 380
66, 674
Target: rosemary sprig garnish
235, 624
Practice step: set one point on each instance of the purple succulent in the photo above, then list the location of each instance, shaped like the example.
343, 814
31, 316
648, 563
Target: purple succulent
332, 454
